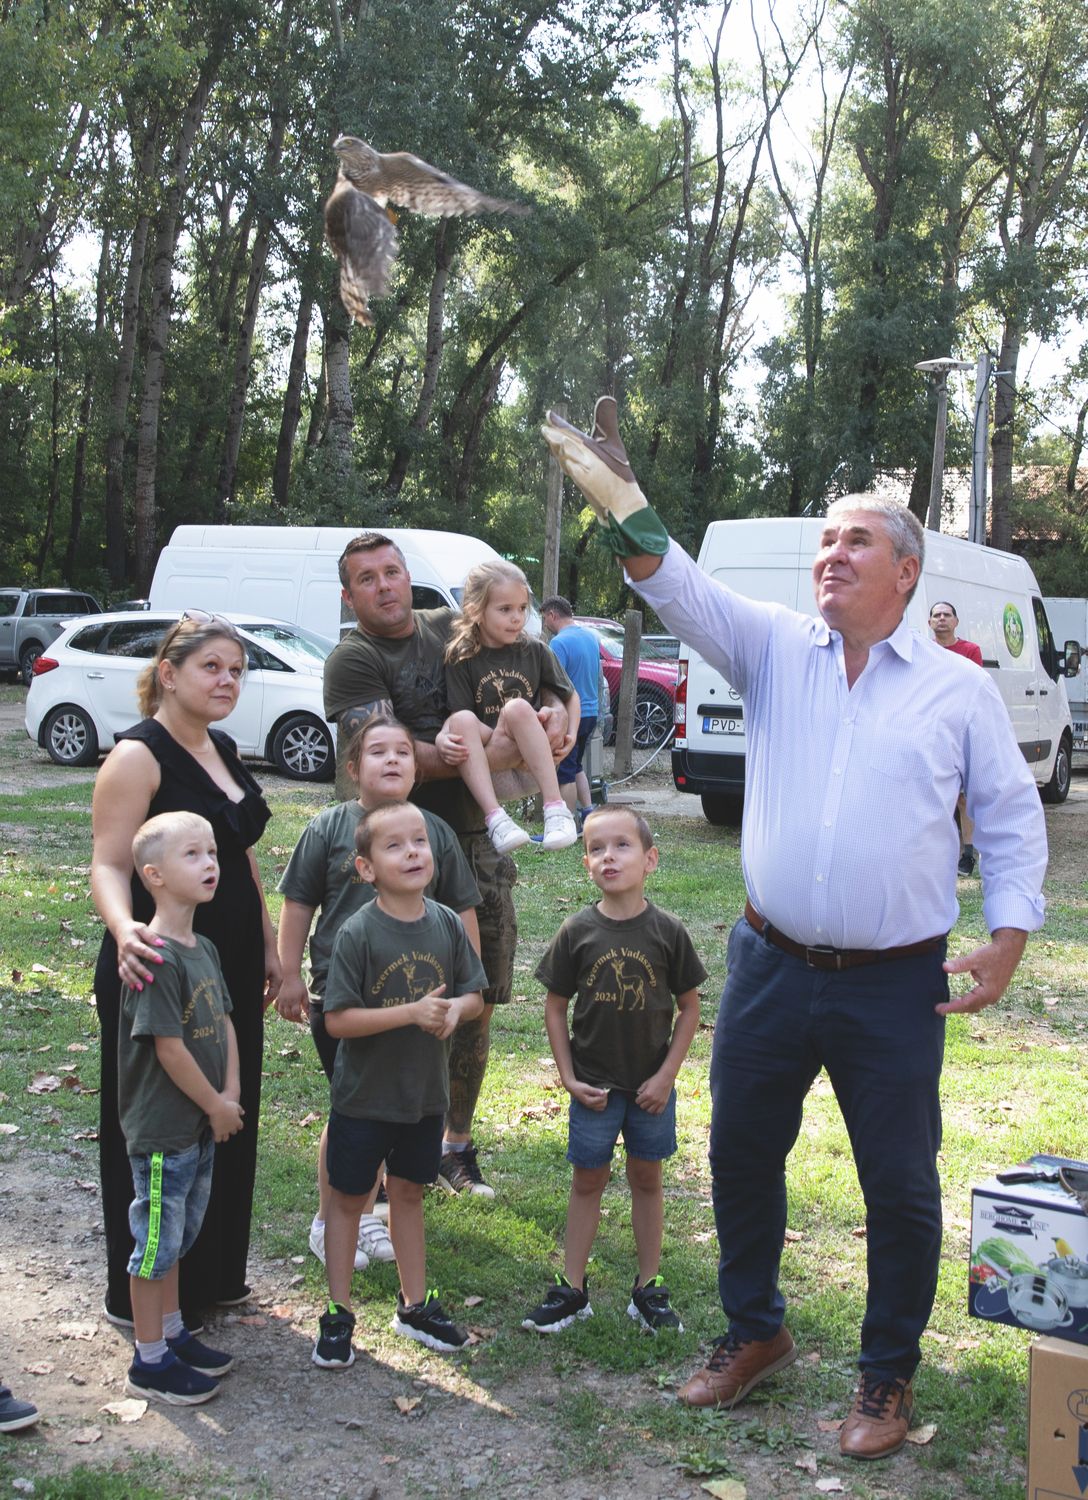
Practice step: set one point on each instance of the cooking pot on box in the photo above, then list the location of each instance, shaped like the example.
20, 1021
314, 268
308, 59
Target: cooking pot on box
1037, 1302
1070, 1273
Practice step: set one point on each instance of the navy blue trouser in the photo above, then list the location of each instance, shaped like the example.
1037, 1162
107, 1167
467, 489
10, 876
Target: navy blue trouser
875, 1030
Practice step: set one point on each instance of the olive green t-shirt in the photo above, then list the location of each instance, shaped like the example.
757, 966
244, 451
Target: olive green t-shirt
410, 674
188, 999
485, 682
321, 873
401, 1075
625, 976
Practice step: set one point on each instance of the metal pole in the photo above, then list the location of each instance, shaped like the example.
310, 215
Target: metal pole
936, 478
980, 450
553, 512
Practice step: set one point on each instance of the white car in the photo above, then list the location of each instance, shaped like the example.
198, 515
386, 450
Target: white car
83, 691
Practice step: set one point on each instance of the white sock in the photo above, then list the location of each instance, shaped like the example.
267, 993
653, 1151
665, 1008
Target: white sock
318, 1223
492, 818
455, 1145
557, 806
173, 1325
153, 1353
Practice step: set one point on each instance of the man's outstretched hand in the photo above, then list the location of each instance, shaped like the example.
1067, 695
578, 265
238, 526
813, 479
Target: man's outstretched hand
597, 462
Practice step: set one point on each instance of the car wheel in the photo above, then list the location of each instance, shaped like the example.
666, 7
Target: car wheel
1057, 788
653, 718
302, 749
70, 737
723, 809
27, 657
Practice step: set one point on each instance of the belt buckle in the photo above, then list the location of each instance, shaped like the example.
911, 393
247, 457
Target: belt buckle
824, 953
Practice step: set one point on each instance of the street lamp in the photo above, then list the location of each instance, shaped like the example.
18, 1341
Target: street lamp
939, 369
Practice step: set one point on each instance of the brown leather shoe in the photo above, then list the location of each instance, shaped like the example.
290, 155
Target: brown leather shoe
878, 1425
735, 1367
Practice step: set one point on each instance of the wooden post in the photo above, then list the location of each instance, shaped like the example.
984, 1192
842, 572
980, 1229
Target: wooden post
553, 515
625, 710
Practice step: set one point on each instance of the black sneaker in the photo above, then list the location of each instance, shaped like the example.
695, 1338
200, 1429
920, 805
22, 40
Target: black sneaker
428, 1323
460, 1173
966, 865
333, 1349
560, 1307
199, 1357
15, 1414
172, 1381
649, 1305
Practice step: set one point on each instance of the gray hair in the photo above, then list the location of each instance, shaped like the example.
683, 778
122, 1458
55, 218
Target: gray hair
905, 532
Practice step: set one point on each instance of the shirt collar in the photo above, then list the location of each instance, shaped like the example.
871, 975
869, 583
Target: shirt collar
901, 640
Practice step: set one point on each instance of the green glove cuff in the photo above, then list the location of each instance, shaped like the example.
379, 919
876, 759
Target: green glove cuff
642, 533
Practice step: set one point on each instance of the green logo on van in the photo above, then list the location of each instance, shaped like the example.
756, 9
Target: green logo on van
1013, 627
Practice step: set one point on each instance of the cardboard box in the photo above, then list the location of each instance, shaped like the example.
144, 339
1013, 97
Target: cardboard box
1057, 1421
1029, 1255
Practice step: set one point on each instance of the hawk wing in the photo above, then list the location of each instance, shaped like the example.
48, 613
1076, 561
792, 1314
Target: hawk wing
413, 183
364, 242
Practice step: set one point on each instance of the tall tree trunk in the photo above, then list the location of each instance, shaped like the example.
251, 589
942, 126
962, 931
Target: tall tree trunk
445, 244
75, 520
30, 240
341, 414
467, 469
54, 435
292, 402
167, 233
1002, 442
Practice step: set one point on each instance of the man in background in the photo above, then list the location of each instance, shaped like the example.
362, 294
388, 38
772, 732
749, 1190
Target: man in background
943, 621
579, 654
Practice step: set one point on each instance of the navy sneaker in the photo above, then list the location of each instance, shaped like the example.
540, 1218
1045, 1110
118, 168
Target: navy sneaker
560, 1307
428, 1323
198, 1356
172, 1381
649, 1305
14, 1414
333, 1349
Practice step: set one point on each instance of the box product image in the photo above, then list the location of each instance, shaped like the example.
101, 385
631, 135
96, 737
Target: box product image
1057, 1421
1029, 1248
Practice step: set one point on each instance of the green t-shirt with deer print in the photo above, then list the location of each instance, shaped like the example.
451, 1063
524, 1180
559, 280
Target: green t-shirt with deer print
624, 977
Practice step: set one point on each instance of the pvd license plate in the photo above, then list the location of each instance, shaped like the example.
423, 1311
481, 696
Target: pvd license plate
722, 724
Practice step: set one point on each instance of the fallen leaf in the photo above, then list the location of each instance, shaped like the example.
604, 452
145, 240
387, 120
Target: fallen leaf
967, 1343
938, 1338
42, 1367
1050, 1001
86, 1187
282, 1310
128, 1410
405, 1404
43, 1083
922, 1435
84, 1331
41, 969
9, 1129
726, 1489
76, 1047
253, 1320
16, 975
290, 1052
86, 1434
830, 1486
473, 1301
76, 1379
477, 1335
85, 1135
310, 1119
793, 1235
858, 1231
355, 1424
830, 1426
808, 1463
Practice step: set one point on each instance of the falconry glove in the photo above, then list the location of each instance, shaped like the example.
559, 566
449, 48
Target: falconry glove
597, 462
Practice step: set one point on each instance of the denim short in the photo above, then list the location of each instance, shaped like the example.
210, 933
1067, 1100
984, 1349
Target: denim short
594, 1133
357, 1149
571, 765
165, 1216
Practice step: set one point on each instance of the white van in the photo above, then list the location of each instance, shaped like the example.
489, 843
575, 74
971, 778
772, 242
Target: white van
1069, 621
999, 606
289, 572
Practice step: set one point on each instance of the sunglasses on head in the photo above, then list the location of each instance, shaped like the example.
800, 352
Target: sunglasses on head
199, 617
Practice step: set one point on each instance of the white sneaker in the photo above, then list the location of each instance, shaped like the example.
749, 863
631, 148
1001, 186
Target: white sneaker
560, 830
374, 1239
505, 834
317, 1246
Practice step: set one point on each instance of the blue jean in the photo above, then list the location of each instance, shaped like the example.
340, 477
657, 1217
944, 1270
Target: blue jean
172, 1191
593, 1133
875, 1030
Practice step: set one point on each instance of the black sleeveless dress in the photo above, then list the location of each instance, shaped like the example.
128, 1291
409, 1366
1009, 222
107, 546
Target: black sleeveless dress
215, 1268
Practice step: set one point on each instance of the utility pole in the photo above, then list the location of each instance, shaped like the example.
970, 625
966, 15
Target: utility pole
553, 514
939, 369
980, 451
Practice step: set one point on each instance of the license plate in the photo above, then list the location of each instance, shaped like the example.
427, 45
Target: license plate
724, 724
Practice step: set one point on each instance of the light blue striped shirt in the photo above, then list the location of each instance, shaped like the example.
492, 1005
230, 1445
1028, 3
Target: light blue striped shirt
848, 838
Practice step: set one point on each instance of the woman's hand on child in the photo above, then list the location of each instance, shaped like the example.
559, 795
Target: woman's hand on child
564, 749
432, 1012
587, 1094
226, 1118
451, 747
654, 1094
136, 945
293, 1000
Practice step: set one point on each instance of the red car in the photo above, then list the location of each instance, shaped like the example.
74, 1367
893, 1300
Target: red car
657, 673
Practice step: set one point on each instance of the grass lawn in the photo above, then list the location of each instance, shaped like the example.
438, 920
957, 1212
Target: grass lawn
1013, 1084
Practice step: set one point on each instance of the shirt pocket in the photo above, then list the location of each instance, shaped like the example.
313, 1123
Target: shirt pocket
905, 755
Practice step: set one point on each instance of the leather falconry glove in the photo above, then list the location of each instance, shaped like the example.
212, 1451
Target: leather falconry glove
597, 462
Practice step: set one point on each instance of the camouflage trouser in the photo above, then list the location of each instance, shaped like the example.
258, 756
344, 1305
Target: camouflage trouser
495, 874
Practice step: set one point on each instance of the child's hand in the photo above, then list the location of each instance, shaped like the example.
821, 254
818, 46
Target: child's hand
654, 1094
432, 1012
293, 1000
587, 1094
226, 1118
451, 747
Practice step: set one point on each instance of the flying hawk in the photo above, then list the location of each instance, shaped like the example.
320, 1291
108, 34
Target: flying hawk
359, 231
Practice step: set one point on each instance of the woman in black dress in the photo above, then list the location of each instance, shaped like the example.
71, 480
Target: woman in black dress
174, 760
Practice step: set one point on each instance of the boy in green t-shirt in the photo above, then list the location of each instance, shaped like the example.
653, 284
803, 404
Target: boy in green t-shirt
625, 960
402, 978
178, 1092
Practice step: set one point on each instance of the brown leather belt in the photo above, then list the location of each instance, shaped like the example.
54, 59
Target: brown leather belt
835, 958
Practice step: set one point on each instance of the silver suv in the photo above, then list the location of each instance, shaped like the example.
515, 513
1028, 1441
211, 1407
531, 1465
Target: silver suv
31, 618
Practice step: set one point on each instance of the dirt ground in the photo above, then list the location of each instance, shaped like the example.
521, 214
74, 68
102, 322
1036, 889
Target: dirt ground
281, 1428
